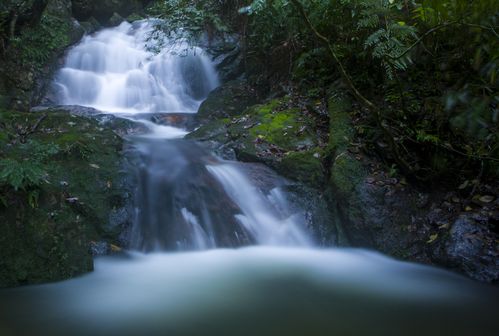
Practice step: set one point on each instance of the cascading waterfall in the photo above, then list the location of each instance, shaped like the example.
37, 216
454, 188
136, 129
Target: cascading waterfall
116, 71
188, 199
183, 191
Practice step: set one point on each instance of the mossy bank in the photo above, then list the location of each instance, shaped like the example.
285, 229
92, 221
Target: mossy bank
63, 192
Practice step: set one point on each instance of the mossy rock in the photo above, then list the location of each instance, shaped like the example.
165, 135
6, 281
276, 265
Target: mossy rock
228, 100
346, 174
275, 133
47, 226
305, 167
215, 130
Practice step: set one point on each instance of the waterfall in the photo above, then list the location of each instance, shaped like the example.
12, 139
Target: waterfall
116, 71
186, 198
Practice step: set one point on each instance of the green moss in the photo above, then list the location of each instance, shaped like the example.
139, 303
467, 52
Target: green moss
50, 240
36, 45
304, 166
340, 128
278, 127
346, 174
265, 109
215, 130
134, 17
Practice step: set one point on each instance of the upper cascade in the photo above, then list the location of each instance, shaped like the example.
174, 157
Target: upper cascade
115, 70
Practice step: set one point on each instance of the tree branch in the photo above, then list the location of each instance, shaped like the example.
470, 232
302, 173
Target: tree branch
360, 97
422, 37
353, 89
12, 25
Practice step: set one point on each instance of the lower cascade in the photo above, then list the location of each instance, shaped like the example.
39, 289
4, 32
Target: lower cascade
214, 248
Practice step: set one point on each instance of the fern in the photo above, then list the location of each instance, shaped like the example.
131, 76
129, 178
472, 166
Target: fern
25, 167
21, 174
390, 38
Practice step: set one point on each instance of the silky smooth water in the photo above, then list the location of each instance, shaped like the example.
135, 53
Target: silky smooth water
115, 70
254, 291
194, 211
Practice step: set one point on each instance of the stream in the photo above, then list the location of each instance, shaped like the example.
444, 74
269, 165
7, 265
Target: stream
215, 248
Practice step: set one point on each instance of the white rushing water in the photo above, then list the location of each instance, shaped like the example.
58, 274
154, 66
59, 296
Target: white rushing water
260, 212
115, 71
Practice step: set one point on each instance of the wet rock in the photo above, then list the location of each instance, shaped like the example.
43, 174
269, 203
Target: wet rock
175, 186
472, 248
91, 25
99, 248
227, 100
115, 20
363, 202
103, 10
119, 219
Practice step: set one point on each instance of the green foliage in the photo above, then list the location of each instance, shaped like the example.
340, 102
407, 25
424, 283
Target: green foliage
21, 174
186, 19
388, 36
430, 66
38, 44
24, 167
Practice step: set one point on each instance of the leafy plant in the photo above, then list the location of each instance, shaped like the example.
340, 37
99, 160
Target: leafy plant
25, 168
37, 45
186, 20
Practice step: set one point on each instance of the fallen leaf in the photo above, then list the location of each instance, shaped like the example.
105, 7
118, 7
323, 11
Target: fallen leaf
115, 248
486, 199
433, 237
464, 184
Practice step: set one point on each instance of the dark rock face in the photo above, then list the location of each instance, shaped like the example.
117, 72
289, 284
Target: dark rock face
103, 10
472, 248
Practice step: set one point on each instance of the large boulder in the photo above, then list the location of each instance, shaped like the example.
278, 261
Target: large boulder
473, 248
62, 192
